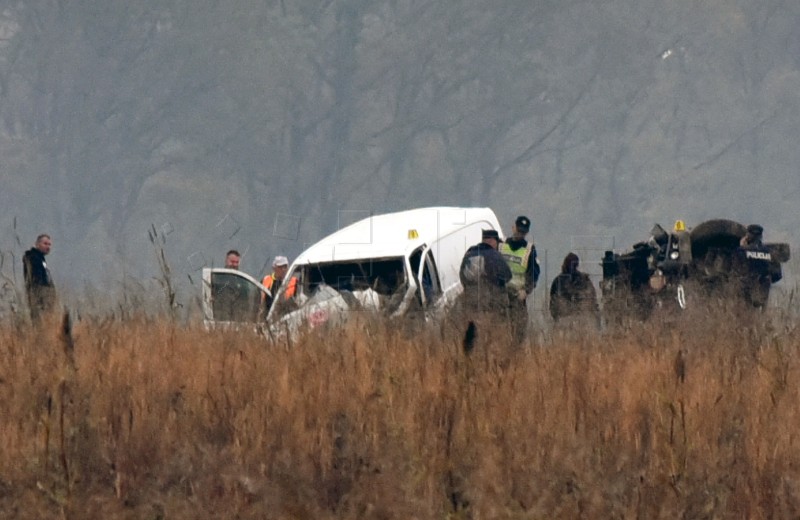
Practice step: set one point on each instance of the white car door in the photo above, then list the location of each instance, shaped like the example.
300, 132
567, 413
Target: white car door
231, 296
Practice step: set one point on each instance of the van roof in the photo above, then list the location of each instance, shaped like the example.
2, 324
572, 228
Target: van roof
394, 234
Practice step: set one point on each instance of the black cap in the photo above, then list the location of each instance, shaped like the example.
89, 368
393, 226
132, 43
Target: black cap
755, 229
490, 233
523, 224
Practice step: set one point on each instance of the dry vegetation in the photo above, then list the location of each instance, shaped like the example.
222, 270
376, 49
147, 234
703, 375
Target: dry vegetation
145, 418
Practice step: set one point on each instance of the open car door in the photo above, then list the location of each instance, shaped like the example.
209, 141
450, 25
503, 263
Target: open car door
232, 297
428, 285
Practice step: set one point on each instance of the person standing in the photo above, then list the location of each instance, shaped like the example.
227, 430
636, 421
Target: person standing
39, 285
752, 266
232, 259
524, 264
484, 275
275, 280
572, 293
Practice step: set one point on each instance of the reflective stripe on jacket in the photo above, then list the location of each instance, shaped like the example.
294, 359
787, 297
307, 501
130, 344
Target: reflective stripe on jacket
291, 287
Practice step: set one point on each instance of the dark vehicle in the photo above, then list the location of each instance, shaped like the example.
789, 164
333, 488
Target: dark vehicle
676, 270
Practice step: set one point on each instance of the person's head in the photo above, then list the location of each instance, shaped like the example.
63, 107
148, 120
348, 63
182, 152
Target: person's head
491, 237
521, 226
754, 233
44, 243
280, 266
570, 265
232, 259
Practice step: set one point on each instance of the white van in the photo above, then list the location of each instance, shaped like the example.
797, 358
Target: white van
394, 264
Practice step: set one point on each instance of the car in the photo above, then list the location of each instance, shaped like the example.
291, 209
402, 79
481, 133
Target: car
395, 264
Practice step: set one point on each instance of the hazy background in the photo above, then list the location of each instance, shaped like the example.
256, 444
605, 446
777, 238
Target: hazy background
264, 125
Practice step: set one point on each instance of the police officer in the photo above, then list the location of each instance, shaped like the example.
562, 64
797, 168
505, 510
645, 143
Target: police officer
484, 275
752, 264
524, 264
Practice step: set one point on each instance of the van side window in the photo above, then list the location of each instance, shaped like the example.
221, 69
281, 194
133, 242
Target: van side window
415, 259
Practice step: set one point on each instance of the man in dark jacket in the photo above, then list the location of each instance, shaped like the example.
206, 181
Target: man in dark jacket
572, 293
484, 275
38, 282
752, 262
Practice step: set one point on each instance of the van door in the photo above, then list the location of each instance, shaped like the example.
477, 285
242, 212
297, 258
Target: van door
448, 252
231, 296
429, 287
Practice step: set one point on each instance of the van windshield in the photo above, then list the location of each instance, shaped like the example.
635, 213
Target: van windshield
384, 276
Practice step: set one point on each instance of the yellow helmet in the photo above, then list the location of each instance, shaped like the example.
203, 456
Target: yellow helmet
680, 225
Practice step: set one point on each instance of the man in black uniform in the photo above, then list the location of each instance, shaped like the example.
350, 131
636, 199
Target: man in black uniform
38, 282
484, 275
752, 265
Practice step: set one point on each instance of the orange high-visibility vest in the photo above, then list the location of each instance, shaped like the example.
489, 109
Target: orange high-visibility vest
291, 287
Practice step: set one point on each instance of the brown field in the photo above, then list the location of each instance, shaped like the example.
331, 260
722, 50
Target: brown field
149, 419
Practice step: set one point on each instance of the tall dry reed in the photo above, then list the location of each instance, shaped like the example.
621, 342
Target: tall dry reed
145, 418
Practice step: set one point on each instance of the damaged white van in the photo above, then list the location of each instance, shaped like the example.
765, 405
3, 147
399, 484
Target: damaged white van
391, 264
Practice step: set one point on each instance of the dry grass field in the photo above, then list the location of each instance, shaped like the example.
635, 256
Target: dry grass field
149, 419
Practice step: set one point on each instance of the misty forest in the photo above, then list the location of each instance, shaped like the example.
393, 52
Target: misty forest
263, 126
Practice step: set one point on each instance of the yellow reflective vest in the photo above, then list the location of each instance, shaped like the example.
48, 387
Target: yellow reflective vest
518, 263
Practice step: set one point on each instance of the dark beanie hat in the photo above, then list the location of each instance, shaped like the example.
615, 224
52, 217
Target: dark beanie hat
490, 233
755, 229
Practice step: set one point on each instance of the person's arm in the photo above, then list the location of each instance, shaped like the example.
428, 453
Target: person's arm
532, 271
462, 269
598, 318
26, 270
591, 293
554, 296
502, 273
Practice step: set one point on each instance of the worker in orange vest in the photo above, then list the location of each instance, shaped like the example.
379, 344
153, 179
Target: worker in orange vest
275, 282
